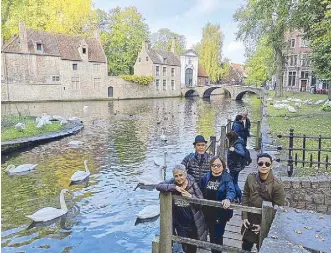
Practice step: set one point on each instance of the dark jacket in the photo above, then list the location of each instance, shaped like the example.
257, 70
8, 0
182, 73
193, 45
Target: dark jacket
197, 164
235, 158
247, 127
238, 127
192, 188
253, 196
226, 190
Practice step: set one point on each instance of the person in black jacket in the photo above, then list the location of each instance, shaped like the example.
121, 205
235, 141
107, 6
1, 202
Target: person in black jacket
197, 163
217, 185
238, 127
247, 126
188, 220
235, 159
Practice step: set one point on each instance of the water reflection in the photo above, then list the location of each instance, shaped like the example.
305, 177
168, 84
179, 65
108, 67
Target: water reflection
120, 141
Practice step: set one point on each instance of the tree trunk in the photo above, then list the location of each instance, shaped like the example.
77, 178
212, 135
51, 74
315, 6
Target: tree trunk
279, 74
329, 92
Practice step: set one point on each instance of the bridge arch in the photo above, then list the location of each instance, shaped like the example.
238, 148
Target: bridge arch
191, 93
208, 92
240, 95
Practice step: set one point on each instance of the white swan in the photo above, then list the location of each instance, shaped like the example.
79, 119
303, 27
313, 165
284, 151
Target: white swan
20, 168
20, 126
163, 137
80, 175
149, 212
50, 213
159, 162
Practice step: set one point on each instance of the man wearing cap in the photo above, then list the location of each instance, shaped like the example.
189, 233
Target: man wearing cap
197, 163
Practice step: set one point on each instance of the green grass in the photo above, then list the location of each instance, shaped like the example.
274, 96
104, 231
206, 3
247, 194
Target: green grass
9, 132
309, 120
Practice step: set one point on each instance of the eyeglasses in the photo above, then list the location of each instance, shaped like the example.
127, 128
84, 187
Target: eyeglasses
217, 165
267, 164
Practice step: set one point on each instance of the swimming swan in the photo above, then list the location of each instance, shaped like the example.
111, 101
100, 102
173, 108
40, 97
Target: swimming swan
159, 162
163, 137
81, 175
50, 213
149, 212
20, 168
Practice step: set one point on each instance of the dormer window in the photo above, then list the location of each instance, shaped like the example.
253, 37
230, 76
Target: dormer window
39, 47
84, 50
165, 60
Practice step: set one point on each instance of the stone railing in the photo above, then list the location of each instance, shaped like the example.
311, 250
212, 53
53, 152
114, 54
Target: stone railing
311, 193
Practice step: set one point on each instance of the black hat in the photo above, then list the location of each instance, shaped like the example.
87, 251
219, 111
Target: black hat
199, 138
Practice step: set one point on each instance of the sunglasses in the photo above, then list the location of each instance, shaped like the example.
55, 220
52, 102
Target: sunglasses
216, 165
267, 164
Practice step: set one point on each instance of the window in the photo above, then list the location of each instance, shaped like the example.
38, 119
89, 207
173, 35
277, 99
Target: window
84, 50
292, 43
157, 70
173, 84
293, 60
146, 58
157, 84
96, 67
39, 47
97, 83
55, 78
291, 78
172, 72
164, 71
74, 66
189, 60
304, 43
305, 61
188, 76
164, 84
139, 59
304, 74
75, 82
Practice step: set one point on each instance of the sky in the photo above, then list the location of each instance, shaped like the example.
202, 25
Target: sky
188, 17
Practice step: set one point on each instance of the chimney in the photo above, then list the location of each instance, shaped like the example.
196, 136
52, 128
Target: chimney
23, 38
146, 44
173, 44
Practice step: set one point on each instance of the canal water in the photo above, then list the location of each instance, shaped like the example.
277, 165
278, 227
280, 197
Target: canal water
121, 140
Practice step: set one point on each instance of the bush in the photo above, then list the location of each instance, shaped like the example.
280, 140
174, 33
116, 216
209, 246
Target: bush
326, 108
142, 80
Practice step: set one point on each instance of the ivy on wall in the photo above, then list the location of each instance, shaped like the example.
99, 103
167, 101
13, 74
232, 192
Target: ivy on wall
142, 80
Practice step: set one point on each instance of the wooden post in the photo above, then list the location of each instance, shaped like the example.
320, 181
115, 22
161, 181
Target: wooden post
222, 144
155, 244
303, 151
212, 144
268, 214
228, 126
165, 222
258, 136
290, 153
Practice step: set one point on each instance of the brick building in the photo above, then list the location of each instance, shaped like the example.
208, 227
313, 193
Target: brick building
38, 65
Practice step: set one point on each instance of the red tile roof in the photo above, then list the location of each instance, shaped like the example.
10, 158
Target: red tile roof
202, 72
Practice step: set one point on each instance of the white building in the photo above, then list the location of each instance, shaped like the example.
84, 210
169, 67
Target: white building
189, 68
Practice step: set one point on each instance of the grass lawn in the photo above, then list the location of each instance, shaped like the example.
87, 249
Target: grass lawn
309, 120
9, 132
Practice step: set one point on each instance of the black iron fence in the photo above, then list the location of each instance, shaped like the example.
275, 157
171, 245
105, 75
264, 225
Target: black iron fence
305, 156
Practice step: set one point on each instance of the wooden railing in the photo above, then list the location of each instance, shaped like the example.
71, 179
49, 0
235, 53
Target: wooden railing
294, 160
163, 243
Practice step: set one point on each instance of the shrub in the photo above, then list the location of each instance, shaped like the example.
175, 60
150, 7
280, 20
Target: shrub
326, 108
142, 80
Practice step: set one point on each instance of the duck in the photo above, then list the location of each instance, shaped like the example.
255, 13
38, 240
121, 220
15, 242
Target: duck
149, 212
50, 213
11, 169
80, 175
163, 137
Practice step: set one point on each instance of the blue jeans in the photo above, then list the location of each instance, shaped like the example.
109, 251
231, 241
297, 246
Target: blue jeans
235, 175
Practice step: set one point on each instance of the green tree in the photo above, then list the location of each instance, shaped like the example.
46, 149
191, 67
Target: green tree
210, 50
314, 18
268, 19
162, 39
260, 65
64, 16
125, 30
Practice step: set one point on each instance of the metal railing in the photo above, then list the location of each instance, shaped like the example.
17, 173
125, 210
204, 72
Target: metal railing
294, 160
163, 243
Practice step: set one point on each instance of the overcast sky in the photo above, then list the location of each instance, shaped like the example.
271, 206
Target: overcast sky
187, 17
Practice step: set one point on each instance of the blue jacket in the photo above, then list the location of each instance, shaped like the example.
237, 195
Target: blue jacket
235, 158
226, 190
238, 127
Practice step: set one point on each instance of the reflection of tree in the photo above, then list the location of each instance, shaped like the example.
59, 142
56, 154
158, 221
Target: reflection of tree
206, 119
130, 149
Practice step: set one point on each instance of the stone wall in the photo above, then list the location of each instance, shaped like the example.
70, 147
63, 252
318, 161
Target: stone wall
311, 193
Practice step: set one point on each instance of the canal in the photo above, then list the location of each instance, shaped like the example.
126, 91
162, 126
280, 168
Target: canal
121, 140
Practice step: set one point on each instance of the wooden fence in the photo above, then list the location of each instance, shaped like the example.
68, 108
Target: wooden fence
294, 160
220, 146
163, 243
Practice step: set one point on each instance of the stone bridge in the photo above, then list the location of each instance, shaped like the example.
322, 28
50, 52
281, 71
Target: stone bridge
236, 92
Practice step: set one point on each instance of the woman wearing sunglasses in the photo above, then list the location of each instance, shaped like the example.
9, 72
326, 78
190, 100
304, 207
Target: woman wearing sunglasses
261, 186
217, 185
